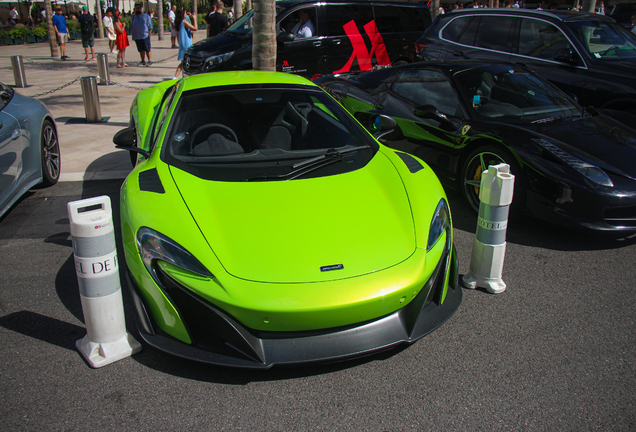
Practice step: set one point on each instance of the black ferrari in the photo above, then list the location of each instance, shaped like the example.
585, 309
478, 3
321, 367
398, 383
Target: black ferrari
573, 166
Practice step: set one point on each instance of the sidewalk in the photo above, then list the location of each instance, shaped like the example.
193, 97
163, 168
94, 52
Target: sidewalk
88, 152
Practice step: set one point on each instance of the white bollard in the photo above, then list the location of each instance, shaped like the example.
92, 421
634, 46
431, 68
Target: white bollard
489, 246
97, 269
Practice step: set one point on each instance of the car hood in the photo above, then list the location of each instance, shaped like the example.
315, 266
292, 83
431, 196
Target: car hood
220, 44
304, 230
599, 140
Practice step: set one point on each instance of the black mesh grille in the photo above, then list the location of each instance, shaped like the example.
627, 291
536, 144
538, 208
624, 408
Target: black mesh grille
621, 216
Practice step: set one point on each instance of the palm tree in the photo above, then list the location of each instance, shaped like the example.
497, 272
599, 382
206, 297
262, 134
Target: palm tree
264, 35
50, 29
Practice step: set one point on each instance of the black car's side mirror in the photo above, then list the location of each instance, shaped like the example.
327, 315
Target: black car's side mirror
127, 139
285, 37
566, 56
430, 112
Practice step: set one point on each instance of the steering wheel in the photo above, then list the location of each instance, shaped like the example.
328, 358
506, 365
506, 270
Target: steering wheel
612, 48
226, 132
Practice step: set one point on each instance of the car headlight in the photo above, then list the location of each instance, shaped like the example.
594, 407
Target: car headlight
155, 246
214, 61
439, 224
590, 171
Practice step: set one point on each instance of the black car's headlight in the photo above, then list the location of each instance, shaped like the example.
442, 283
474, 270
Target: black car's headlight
441, 221
216, 60
590, 171
155, 246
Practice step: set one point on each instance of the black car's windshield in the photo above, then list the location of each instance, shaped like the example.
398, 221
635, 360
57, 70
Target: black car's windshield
6, 93
241, 132
605, 40
244, 24
503, 93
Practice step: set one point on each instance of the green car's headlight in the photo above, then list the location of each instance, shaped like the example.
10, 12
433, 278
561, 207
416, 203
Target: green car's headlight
439, 224
590, 171
216, 60
155, 246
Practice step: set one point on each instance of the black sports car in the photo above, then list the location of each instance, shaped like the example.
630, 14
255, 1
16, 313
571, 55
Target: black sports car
572, 166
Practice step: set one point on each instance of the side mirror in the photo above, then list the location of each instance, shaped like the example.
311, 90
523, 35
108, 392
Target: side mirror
126, 139
285, 37
566, 56
430, 112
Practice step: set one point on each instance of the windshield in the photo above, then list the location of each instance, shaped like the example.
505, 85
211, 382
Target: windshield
6, 93
242, 132
605, 40
503, 93
244, 24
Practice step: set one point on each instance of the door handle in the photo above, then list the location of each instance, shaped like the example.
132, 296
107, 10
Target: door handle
15, 134
317, 43
336, 41
458, 53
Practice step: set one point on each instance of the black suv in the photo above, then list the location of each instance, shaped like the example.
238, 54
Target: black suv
589, 56
348, 36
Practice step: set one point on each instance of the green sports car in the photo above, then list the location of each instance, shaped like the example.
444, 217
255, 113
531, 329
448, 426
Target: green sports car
263, 225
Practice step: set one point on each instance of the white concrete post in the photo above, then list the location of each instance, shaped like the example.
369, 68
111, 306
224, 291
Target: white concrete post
489, 246
97, 269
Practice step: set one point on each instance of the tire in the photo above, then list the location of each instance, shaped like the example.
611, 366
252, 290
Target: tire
477, 162
50, 154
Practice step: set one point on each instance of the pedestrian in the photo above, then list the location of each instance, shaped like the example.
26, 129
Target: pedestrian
110, 30
13, 14
141, 28
61, 31
184, 27
216, 21
87, 29
173, 31
122, 40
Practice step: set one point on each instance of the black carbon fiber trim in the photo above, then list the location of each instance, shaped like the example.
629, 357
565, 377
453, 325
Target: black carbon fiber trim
411, 163
149, 181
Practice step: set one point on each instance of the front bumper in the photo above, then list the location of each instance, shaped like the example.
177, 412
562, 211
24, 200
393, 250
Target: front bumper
232, 344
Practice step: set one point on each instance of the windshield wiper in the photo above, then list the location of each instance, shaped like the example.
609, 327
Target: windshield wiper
551, 119
308, 165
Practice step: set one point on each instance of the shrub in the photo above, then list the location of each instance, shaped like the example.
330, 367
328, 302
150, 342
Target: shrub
40, 31
18, 32
73, 26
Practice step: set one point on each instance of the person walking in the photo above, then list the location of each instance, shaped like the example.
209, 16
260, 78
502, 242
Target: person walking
216, 21
141, 28
122, 40
173, 31
110, 29
87, 29
61, 31
184, 30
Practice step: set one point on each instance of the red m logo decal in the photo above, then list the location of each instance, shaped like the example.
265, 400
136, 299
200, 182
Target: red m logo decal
360, 49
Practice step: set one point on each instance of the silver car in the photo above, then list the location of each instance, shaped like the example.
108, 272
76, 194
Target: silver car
29, 148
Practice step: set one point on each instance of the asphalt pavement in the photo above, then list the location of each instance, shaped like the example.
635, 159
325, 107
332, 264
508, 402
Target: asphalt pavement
555, 351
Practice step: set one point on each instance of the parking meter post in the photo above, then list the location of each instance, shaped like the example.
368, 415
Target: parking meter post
102, 69
489, 246
91, 99
96, 265
18, 71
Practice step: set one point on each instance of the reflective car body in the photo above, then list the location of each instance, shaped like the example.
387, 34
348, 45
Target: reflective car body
29, 150
572, 167
263, 225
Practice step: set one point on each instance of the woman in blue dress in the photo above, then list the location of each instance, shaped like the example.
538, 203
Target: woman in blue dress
184, 29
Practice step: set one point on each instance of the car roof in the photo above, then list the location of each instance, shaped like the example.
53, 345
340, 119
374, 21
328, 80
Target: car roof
248, 77
561, 15
456, 65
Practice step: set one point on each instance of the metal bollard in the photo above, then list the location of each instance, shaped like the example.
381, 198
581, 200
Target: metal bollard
102, 69
91, 99
489, 246
18, 71
95, 256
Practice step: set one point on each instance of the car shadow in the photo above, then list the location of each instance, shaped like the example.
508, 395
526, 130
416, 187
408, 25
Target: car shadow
528, 231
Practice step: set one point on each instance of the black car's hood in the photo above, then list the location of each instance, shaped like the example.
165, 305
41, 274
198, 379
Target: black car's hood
599, 140
221, 44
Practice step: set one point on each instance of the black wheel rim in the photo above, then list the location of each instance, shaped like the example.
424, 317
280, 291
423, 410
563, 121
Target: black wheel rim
51, 152
472, 175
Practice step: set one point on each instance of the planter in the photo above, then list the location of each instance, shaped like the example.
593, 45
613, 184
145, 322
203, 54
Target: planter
30, 38
18, 41
39, 39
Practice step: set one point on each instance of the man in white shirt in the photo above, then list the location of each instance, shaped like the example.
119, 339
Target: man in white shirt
13, 13
304, 28
173, 31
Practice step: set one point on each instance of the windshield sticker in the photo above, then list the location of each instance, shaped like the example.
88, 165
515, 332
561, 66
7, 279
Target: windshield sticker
465, 129
476, 101
360, 48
